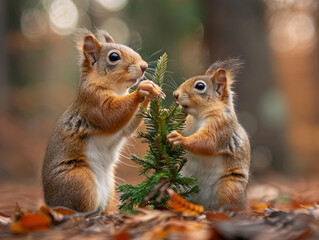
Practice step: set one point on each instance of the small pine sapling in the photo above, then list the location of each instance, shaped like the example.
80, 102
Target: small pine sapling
162, 164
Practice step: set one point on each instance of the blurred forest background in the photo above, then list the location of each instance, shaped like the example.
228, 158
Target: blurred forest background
277, 99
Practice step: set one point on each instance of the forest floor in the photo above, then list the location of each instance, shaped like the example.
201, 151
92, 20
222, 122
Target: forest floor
278, 209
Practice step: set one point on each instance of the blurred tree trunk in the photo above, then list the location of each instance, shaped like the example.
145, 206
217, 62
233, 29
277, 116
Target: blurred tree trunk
297, 73
236, 28
3, 57
301, 90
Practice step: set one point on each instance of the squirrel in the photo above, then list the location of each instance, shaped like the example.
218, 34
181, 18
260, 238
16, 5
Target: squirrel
217, 147
78, 167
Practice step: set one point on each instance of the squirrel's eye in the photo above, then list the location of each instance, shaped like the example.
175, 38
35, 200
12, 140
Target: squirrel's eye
200, 86
114, 57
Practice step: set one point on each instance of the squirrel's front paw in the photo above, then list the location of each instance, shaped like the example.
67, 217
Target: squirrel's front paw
175, 138
150, 90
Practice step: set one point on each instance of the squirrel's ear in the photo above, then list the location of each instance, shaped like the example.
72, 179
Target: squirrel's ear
91, 48
209, 71
221, 80
104, 36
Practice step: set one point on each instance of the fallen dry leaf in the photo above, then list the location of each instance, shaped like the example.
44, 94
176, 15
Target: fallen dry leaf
4, 219
122, 236
287, 217
64, 211
259, 206
180, 205
31, 223
4, 215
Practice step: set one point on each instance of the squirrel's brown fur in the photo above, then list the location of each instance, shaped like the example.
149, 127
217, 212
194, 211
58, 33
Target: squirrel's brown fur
84, 146
218, 149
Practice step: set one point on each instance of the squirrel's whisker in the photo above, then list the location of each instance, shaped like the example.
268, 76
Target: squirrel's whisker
152, 55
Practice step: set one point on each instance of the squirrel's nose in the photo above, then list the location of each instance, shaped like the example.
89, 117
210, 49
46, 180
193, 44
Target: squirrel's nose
143, 67
175, 94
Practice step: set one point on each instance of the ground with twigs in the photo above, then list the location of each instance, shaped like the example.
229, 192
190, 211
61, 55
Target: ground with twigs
279, 209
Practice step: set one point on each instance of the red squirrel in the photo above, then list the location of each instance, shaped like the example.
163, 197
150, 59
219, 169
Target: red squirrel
218, 149
84, 147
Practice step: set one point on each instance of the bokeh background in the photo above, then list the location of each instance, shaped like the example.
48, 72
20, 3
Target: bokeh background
277, 100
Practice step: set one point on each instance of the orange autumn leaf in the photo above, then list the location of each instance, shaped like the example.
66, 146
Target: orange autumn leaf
163, 233
259, 206
296, 204
179, 204
4, 215
54, 215
64, 211
4, 219
122, 236
30, 223
303, 203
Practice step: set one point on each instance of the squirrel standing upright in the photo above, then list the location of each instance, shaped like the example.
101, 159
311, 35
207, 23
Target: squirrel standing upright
218, 149
83, 149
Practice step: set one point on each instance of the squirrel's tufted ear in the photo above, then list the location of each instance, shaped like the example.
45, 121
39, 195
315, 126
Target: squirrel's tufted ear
220, 79
91, 48
210, 71
104, 36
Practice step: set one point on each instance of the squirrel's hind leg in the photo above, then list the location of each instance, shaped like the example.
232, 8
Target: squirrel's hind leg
74, 189
231, 193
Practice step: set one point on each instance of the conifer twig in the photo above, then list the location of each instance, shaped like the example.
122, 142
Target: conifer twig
162, 164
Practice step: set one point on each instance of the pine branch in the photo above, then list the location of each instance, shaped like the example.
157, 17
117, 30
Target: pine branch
162, 164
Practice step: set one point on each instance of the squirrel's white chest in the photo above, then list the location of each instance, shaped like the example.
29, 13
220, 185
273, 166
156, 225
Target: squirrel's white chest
207, 171
102, 153
193, 126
